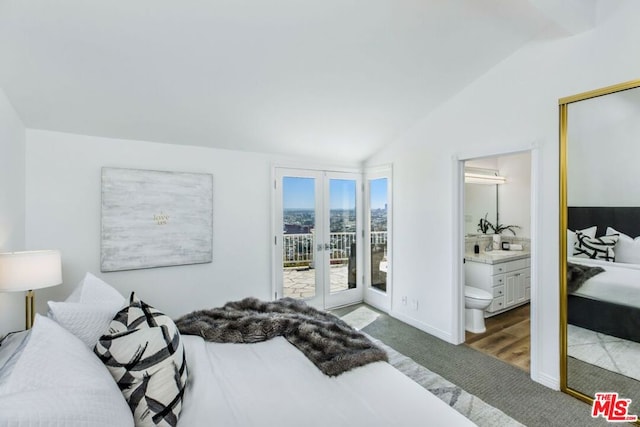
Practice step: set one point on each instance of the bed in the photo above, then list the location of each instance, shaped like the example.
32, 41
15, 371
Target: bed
608, 302
64, 372
273, 384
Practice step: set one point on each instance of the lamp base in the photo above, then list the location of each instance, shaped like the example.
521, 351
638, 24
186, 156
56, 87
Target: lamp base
30, 309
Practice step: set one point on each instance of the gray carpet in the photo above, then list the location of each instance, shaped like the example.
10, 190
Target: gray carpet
470, 406
496, 383
590, 379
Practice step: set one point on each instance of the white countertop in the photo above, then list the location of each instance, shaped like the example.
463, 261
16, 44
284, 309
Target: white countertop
496, 257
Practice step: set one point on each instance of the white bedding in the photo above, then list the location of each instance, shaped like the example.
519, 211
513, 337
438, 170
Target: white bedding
619, 283
273, 384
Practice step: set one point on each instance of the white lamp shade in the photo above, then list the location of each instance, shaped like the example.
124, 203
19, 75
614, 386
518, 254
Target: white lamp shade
23, 271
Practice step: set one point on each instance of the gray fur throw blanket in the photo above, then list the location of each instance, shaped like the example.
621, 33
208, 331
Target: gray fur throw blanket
577, 274
331, 344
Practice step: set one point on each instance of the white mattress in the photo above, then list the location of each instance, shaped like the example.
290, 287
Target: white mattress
619, 283
273, 384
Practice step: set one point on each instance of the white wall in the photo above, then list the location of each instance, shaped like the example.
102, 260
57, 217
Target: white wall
514, 197
63, 211
513, 106
603, 162
12, 205
484, 162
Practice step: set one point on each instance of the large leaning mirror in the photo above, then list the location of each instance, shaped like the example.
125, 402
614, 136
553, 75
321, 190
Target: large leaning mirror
599, 243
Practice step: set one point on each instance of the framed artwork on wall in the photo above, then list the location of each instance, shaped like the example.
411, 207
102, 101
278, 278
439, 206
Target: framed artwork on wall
155, 219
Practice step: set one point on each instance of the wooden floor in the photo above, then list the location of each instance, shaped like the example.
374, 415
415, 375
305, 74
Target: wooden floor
507, 338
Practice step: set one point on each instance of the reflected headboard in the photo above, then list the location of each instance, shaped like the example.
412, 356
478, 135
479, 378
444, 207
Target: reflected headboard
624, 219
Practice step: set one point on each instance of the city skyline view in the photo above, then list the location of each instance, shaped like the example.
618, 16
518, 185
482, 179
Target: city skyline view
299, 193
299, 211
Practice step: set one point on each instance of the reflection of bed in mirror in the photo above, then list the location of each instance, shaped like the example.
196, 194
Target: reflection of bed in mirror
600, 337
609, 302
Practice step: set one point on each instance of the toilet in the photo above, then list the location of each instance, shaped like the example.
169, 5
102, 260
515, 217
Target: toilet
475, 302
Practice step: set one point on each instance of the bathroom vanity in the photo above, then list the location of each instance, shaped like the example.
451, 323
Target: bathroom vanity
504, 274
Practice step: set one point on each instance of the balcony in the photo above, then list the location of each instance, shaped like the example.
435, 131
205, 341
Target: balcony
299, 264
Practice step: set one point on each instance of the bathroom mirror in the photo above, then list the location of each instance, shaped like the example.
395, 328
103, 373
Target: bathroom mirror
599, 252
480, 198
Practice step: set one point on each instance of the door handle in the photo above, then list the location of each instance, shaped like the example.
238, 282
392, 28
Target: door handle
325, 246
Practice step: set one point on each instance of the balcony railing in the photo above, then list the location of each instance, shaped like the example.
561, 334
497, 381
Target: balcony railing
298, 249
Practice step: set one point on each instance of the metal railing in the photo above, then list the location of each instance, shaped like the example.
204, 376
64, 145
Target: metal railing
378, 237
298, 249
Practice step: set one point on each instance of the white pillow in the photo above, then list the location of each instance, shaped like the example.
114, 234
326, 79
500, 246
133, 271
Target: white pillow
11, 348
572, 240
88, 310
627, 249
86, 321
58, 381
94, 290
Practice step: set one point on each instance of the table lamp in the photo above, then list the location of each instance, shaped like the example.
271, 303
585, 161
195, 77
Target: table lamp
29, 270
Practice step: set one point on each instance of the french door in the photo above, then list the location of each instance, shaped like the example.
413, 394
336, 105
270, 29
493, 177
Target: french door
377, 291
318, 236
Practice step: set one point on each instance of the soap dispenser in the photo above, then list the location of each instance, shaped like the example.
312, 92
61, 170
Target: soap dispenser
476, 248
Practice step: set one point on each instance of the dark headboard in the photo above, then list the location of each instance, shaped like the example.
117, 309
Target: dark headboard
624, 219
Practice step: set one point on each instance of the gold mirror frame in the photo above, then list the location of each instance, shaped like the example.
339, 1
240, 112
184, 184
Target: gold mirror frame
564, 105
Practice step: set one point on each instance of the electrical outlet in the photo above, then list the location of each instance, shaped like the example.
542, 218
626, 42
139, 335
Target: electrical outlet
414, 304
404, 300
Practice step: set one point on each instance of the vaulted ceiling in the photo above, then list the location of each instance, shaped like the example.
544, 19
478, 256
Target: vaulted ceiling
330, 78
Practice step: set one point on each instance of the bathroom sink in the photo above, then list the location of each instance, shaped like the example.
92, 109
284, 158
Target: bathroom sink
500, 252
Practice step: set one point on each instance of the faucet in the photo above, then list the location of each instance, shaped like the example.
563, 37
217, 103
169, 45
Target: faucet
489, 246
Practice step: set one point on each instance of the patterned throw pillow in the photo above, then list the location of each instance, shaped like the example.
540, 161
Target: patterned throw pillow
144, 353
595, 247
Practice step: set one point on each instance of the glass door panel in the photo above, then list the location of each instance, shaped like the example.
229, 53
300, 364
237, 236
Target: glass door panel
299, 219
343, 235
343, 268
378, 202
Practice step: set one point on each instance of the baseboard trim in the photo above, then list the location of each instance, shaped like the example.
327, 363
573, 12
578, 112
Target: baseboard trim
547, 381
423, 326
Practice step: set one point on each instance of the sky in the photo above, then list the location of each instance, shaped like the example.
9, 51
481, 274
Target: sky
299, 193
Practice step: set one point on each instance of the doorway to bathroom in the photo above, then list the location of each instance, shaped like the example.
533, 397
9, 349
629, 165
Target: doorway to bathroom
496, 217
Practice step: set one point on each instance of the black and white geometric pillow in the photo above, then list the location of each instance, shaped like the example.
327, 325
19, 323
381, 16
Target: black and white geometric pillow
144, 353
595, 247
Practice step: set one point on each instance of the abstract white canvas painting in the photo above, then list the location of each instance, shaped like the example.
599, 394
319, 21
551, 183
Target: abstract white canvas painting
155, 219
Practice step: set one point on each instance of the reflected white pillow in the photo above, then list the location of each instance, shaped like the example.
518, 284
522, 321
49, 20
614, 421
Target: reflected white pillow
627, 249
572, 240
58, 381
88, 310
